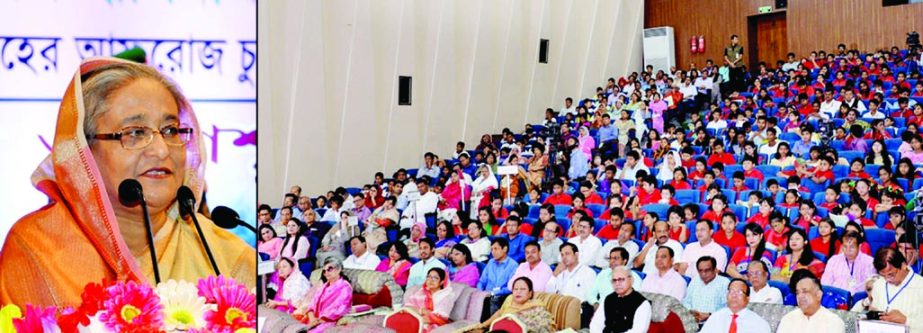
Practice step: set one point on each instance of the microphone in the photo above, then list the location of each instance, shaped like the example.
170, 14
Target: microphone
187, 207
229, 219
131, 194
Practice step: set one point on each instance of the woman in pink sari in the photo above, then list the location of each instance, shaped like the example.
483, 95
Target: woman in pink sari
451, 196
433, 301
417, 232
292, 288
587, 143
463, 269
269, 242
332, 300
397, 263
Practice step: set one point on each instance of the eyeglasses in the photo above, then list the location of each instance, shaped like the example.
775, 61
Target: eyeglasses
139, 137
329, 269
619, 280
433, 278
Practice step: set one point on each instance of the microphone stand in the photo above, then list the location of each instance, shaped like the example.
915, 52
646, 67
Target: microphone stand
150, 240
208, 250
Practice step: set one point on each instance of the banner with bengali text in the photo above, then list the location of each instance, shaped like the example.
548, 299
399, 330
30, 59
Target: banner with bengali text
207, 46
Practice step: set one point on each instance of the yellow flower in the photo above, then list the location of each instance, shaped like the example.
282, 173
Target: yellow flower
7, 314
183, 308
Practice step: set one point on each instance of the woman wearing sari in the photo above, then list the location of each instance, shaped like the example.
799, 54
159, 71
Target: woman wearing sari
433, 301
269, 242
445, 239
455, 187
537, 165
528, 310
334, 242
463, 269
417, 232
383, 216
118, 120
331, 301
293, 287
397, 263
481, 188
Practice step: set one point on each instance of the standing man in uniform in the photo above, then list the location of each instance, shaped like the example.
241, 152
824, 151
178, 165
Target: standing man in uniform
733, 57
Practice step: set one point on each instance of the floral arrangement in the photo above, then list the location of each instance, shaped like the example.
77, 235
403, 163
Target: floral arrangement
215, 304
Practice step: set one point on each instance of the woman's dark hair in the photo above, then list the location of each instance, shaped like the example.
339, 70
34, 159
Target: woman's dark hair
761, 247
807, 255
490, 215
298, 236
783, 143
267, 226
909, 175
479, 226
439, 271
401, 249
861, 231
289, 261
465, 251
449, 229
527, 281
831, 250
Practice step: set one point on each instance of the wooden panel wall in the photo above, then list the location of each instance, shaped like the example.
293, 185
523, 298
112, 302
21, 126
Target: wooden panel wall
812, 24
717, 20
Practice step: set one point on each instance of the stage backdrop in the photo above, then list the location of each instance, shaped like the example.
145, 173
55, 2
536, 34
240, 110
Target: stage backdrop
207, 46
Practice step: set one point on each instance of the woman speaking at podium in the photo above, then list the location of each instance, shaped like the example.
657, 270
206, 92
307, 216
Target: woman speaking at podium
118, 120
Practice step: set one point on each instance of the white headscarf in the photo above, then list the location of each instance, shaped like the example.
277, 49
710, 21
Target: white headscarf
666, 172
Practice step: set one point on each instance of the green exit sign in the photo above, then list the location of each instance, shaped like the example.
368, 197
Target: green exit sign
765, 9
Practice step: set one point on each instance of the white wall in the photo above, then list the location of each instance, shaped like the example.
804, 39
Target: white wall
328, 113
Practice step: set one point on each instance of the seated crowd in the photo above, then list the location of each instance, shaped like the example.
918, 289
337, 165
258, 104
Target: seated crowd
801, 184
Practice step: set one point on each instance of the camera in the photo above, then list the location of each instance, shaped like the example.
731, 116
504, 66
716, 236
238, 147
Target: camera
913, 39
873, 315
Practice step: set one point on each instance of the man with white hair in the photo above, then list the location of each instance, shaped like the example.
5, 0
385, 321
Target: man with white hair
625, 309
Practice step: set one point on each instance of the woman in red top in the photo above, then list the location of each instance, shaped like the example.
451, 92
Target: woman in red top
827, 242
718, 207
679, 180
728, 235
699, 171
798, 255
886, 181
647, 225
762, 217
578, 206
755, 250
777, 235
496, 207
863, 190
615, 201
807, 217
374, 199
792, 199
678, 230
831, 196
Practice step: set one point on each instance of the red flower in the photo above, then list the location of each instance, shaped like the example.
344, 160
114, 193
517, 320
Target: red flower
69, 319
93, 296
132, 307
235, 306
208, 287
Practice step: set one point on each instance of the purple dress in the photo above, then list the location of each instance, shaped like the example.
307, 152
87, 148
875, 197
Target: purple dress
468, 275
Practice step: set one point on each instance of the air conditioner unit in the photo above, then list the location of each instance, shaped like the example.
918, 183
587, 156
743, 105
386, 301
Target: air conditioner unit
659, 48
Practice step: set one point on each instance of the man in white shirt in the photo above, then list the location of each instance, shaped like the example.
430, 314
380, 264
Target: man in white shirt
626, 233
830, 106
772, 143
758, 275
736, 318
426, 204
849, 99
810, 316
568, 107
361, 257
427, 262
665, 280
874, 111
705, 246
648, 255
632, 165
624, 310
429, 167
587, 244
571, 278
897, 295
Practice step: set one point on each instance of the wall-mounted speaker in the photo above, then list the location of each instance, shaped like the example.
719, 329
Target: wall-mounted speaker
403, 90
543, 51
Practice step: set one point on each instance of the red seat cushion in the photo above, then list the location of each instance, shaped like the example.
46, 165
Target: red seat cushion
507, 325
671, 324
403, 322
380, 298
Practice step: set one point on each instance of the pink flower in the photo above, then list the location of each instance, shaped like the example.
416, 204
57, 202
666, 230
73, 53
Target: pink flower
37, 320
132, 307
235, 306
208, 287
